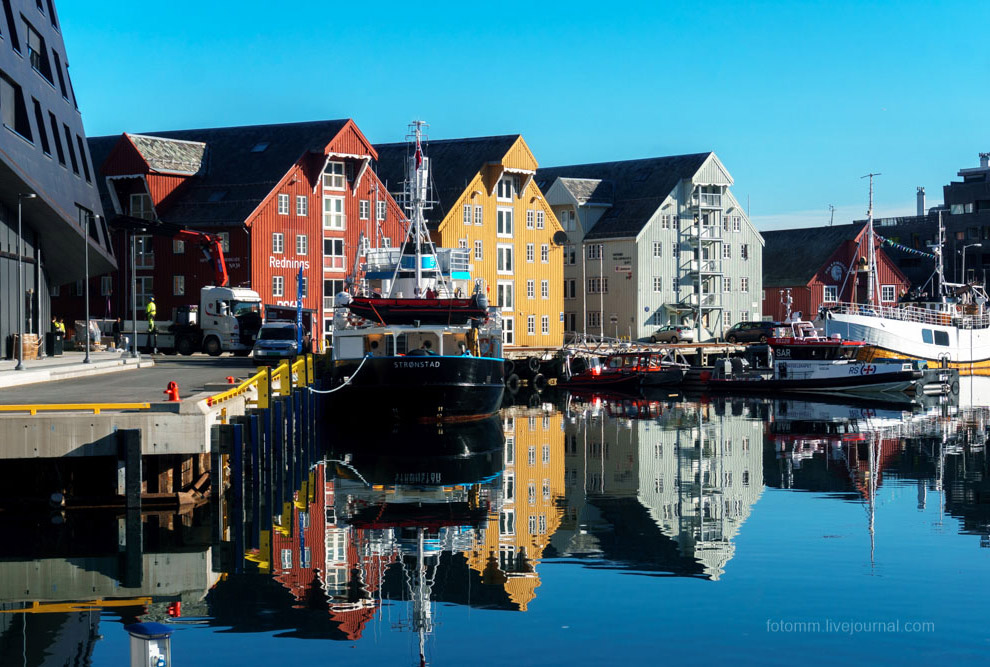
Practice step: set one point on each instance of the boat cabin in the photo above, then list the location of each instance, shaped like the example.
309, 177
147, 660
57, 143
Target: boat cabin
396, 342
803, 342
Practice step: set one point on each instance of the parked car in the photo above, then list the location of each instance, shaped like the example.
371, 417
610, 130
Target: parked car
673, 333
276, 341
750, 332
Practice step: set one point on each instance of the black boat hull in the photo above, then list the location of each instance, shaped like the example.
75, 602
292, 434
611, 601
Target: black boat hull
853, 383
418, 388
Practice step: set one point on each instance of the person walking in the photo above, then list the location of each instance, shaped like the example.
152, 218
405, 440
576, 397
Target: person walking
150, 311
115, 331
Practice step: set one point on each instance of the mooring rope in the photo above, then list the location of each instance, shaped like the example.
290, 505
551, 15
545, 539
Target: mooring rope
330, 391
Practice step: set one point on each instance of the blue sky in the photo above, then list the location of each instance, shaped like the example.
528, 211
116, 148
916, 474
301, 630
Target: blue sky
798, 99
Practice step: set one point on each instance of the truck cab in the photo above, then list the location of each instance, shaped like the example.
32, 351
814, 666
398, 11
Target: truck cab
230, 318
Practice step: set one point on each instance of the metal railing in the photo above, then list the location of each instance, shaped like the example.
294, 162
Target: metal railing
913, 314
299, 374
96, 408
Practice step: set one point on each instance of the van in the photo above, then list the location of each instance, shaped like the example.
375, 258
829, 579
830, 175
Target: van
751, 332
276, 341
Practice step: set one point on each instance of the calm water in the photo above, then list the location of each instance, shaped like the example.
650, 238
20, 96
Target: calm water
567, 531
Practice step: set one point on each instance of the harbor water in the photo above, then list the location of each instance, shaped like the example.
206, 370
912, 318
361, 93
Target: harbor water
566, 530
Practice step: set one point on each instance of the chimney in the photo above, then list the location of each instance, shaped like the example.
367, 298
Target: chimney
984, 160
921, 200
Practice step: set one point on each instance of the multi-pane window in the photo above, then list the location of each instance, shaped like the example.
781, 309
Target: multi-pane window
831, 294
283, 204
570, 289
333, 254
478, 254
887, 293
508, 331
657, 284
364, 209
178, 247
505, 296
144, 252
744, 251
545, 253
598, 285
382, 207
530, 218
224, 240
594, 318
540, 219
726, 284
478, 214
544, 289
467, 214
736, 223
595, 251
744, 284
545, 325
657, 249
569, 254
302, 244
278, 243
503, 259
503, 224
530, 289
178, 285
302, 205
141, 206
333, 176
531, 324
506, 188
278, 286
744, 316
530, 252
462, 244
727, 250
333, 213
673, 283
567, 220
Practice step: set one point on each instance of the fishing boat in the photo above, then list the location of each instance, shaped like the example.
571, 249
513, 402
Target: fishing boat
798, 359
945, 324
409, 344
626, 371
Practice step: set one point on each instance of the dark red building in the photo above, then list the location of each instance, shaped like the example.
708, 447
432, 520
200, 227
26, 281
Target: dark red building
281, 196
815, 265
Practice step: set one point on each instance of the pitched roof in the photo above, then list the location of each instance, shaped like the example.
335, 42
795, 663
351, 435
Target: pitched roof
589, 190
638, 188
240, 166
453, 165
794, 256
170, 156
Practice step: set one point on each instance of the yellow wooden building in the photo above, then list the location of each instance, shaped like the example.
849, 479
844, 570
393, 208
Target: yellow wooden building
487, 201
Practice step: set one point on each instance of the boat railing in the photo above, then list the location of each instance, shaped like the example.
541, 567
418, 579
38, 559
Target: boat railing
913, 314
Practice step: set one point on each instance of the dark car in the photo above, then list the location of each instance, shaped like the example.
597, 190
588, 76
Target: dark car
750, 332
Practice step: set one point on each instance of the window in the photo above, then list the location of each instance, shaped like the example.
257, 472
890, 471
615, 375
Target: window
503, 222
467, 214
544, 289
941, 338
106, 285
530, 218
178, 247
364, 209
540, 219
530, 289
478, 254
673, 282
283, 204
72, 150
744, 284
657, 249
530, 252
144, 252
302, 244
12, 108
503, 259
594, 318
52, 121
736, 223
504, 295
657, 284
286, 559
278, 243
38, 54
744, 316
333, 254
224, 240
726, 284
531, 493
333, 176
570, 289
506, 188
674, 249
382, 207
569, 254
508, 487
598, 286
595, 251
302, 205
278, 286
531, 324
507, 522
831, 294
508, 331
665, 221
178, 285
82, 158
545, 253
305, 288
545, 325
887, 293
39, 120
546, 448
727, 251
477, 215
728, 319
333, 213
744, 251
140, 207
567, 220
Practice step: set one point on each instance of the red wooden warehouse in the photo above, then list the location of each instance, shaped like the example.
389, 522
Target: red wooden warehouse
281, 197
814, 264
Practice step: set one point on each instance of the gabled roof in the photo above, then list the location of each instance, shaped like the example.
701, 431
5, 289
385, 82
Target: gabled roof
240, 166
170, 156
793, 256
589, 190
453, 165
638, 188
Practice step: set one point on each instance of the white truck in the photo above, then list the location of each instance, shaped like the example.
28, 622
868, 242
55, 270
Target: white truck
227, 319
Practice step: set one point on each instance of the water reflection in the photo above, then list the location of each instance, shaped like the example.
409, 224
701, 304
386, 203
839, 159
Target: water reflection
392, 527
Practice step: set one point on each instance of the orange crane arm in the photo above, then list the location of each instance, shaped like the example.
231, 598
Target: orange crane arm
212, 247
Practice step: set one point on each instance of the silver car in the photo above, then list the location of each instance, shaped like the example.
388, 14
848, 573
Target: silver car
673, 333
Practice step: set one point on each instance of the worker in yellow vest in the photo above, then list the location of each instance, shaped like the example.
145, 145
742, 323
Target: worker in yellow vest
151, 310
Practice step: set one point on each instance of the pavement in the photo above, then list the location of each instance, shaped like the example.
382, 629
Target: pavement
114, 377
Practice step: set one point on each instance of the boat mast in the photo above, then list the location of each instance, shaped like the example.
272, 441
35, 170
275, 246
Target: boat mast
939, 260
872, 256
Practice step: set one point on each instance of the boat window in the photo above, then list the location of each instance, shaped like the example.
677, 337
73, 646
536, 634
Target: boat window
615, 362
942, 338
631, 362
926, 336
375, 345
401, 344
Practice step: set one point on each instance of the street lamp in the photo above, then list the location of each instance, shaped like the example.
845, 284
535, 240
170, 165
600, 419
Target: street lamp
20, 283
971, 245
134, 349
90, 219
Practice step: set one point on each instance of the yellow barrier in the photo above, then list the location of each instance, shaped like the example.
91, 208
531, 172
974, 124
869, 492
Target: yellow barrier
65, 607
64, 407
301, 368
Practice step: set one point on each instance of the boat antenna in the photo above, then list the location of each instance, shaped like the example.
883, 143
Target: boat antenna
872, 256
831, 216
939, 259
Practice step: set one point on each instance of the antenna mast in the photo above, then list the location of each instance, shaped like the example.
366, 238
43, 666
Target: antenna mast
872, 256
831, 217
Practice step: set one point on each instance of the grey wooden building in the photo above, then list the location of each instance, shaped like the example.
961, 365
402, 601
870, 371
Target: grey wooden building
652, 242
45, 171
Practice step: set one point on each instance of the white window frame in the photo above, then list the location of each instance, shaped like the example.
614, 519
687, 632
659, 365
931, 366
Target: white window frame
726, 284
744, 284
530, 218
505, 295
479, 250
334, 177
544, 289
504, 221
302, 205
886, 290
478, 214
178, 285
302, 244
382, 210
364, 209
278, 243
545, 325
744, 251
466, 212
504, 259
830, 294
333, 261
508, 331
144, 252
506, 188
736, 223
658, 283
540, 219
726, 251
531, 325
545, 253
334, 219
595, 250
530, 253
658, 249
530, 289
283, 204
278, 286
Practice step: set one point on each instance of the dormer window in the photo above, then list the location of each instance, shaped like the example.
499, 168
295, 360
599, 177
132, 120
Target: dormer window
333, 176
507, 188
